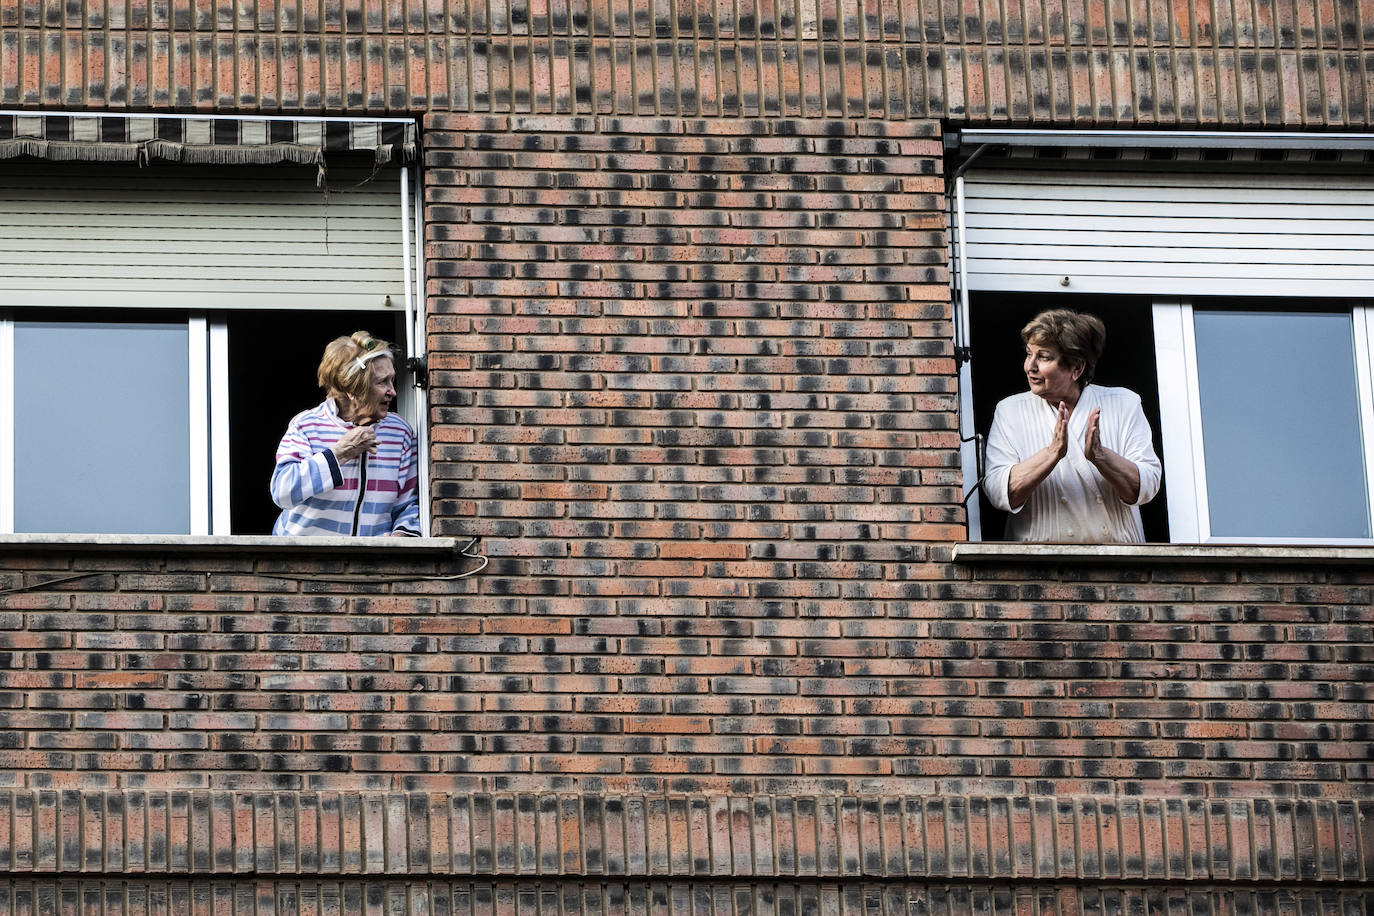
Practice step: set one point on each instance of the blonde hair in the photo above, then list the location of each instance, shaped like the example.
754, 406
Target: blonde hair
1079, 338
344, 369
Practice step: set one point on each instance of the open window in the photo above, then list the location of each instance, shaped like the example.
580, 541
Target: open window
162, 320
1128, 361
1235, 277
158, 422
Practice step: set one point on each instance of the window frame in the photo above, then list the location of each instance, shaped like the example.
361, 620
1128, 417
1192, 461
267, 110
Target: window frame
209, 454
1184, 458
207, 383
209, 378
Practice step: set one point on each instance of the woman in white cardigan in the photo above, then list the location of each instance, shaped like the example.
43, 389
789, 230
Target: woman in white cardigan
1069, 460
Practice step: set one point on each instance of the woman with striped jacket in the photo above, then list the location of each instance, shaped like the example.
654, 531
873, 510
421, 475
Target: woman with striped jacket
348, 466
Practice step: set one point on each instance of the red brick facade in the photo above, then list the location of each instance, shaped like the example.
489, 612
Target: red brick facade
345, 673
693, 383
1231, 63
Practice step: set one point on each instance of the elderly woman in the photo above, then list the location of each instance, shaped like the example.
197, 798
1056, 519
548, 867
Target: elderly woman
1071, 461
348, 466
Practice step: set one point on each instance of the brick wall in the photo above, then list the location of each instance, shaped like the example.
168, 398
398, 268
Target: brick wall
693, 385
416, 897
413, 855
239, 672
690, 367
1167, 735
1258, 63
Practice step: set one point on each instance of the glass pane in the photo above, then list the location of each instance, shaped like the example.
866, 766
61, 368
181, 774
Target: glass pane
1281, 425
101, 428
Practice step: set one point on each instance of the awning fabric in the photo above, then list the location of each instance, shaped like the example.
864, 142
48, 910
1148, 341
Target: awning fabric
208, 141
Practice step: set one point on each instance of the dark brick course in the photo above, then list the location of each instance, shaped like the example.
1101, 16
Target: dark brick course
481, 835
417, 897
1201, 682
1239, 62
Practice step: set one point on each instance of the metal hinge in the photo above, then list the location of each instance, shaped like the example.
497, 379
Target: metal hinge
419, 368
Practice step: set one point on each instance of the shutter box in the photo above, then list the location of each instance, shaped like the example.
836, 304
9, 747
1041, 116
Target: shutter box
1170, 233
181, 236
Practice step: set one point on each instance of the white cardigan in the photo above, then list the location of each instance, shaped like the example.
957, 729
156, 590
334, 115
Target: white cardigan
1074, 503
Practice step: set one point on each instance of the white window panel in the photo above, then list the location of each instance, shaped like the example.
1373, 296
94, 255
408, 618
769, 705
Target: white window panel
1180, 427
1364, 378
218, 413
103, 432
6, 424
1280, 421
1266, 423
198, 406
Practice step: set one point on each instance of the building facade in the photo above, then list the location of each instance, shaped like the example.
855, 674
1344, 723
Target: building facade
710, 304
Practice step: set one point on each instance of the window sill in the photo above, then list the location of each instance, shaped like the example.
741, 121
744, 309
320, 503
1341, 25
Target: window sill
262, 544
992, 552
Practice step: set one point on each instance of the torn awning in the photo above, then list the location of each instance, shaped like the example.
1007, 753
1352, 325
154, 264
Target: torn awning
217, 140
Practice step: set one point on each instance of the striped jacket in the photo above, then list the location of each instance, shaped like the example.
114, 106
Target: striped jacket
320, 495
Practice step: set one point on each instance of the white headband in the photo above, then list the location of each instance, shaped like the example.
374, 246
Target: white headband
360, 362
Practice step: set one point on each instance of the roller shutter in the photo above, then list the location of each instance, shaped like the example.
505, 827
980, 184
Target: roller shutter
184, 236
1171, 233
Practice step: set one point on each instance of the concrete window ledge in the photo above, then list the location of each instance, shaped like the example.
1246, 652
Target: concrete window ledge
993, 552
256, 544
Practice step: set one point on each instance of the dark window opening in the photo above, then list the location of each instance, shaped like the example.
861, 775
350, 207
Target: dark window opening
1128, 361
272, 361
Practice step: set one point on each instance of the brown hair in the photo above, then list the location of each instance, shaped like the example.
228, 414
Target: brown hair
344, 369
1079, 338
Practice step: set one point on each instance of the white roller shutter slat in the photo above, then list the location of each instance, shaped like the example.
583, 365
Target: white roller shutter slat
1194, 240
1099, 255
1170, 234
1182, 193
192, 237
1159, 178
1180, 269
1234, 210
1172, 286
21, 250
1163, 224
262, 296
187, 264
187, 286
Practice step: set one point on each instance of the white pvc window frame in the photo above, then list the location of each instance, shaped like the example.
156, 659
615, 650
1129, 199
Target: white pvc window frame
207, 383
413, 256
419, 321
198, 385
6, 424
969, 440
217, 391
1181, 423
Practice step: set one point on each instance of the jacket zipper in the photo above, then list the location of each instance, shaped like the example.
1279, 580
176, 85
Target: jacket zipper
362, 491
